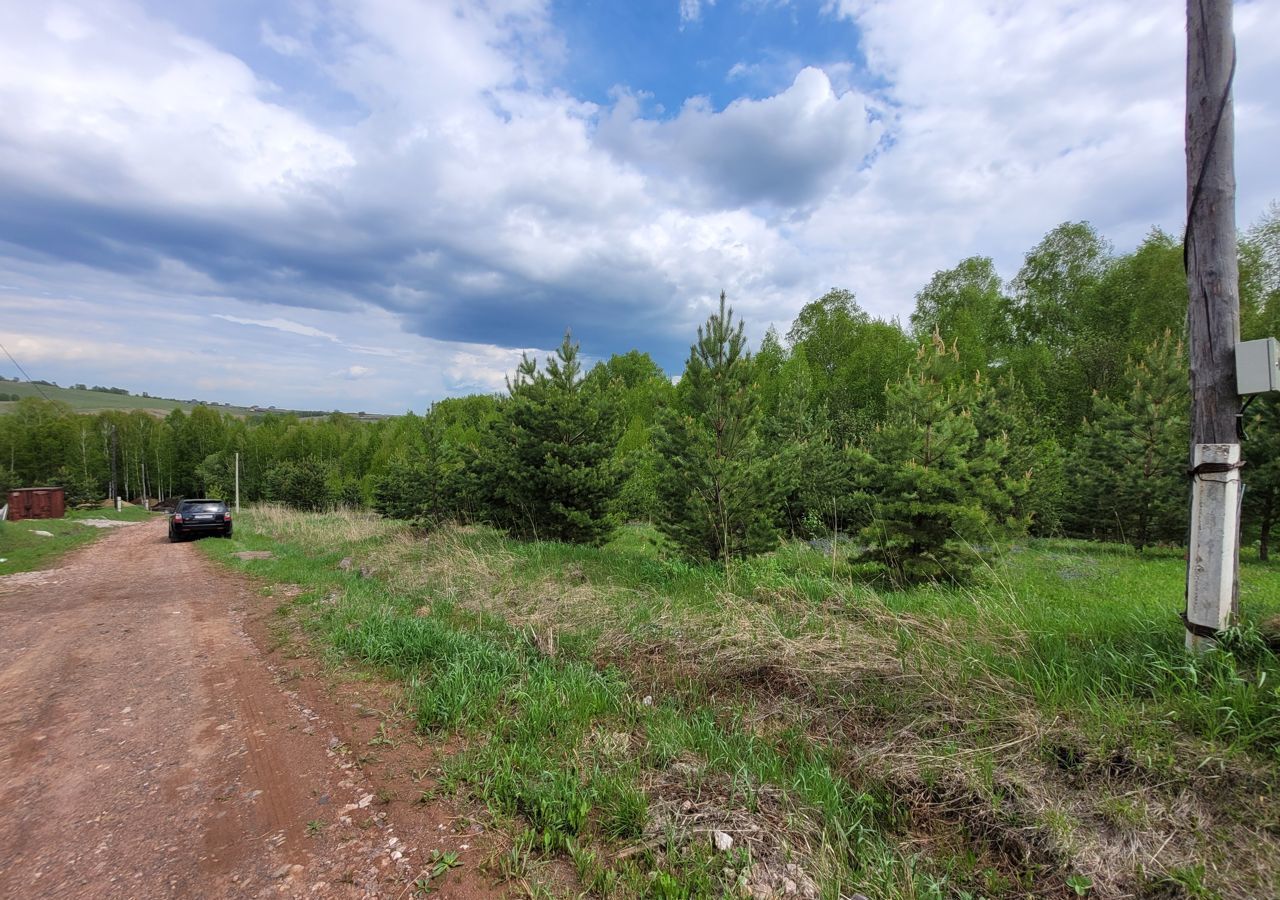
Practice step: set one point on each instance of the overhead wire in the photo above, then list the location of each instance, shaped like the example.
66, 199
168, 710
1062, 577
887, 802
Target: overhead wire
30, 381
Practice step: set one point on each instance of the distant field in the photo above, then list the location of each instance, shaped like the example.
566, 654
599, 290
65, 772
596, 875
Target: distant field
94, 401
97, 401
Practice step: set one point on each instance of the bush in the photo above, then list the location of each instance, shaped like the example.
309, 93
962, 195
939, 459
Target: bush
302, 484
409, 489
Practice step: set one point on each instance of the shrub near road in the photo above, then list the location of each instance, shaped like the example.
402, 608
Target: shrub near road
626, 710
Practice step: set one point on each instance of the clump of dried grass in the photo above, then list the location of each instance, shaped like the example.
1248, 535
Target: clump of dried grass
787, 850
327, 530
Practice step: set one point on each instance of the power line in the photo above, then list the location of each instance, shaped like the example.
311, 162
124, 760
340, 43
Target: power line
24, 372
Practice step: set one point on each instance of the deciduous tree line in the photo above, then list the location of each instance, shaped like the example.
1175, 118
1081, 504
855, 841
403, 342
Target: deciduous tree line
1055, 403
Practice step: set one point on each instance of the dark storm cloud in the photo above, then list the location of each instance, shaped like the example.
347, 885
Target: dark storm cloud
464, 297
606, 310
255, 257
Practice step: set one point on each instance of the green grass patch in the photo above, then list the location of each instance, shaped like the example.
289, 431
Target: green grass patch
23, 549
619, 705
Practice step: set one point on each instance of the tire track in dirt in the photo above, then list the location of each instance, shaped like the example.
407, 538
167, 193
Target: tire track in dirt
146, 752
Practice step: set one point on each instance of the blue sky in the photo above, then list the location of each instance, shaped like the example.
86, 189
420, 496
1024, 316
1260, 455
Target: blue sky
373, 204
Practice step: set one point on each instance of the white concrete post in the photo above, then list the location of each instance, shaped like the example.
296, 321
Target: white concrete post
1215, 529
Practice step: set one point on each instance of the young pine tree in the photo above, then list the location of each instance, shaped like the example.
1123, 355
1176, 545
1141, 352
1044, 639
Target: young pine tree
1129, 469
717, 500
551, 455
938, 487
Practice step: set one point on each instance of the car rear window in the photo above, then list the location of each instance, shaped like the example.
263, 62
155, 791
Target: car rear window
204, 507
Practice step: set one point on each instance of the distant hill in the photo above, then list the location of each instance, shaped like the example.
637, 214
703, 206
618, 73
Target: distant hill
98, 399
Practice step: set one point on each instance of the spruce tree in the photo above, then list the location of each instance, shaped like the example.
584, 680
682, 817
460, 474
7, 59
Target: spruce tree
717, 500
939, 489
1129, 468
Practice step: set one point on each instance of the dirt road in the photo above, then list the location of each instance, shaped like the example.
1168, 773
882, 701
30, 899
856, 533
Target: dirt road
146, 749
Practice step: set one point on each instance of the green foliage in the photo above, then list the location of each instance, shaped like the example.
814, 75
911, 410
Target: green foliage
851, 358
635, 388
410, 488
937, 487
1262, 454
1260, 277
302, 483
1053, 322
717, 496
550, 455
1035, 456
1053, 289
808, 472
1130, 460
216, 475
77, 487
966, 306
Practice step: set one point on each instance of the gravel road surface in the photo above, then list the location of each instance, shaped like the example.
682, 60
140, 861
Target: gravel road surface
147, 750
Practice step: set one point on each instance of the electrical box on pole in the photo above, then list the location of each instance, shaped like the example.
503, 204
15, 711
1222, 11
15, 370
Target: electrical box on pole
1258, 366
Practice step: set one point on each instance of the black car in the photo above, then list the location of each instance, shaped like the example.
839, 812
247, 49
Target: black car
204, 516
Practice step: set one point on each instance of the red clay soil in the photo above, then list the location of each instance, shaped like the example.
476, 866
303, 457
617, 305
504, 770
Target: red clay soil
152, 746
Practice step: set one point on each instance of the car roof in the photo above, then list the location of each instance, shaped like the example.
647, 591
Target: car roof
203, 500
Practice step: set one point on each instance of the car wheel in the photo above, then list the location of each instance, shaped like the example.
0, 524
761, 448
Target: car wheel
173, 538
227, 533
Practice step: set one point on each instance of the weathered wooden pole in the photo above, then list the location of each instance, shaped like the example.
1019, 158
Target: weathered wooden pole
1213, 319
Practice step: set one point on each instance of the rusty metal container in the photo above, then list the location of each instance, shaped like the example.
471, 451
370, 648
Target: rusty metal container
37, 503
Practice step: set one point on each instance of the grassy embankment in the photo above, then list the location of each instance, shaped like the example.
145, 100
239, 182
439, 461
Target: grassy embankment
1041, 734
22, 550
87, 401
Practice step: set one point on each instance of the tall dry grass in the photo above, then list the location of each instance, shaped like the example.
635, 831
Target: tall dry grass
327, 531
929, 717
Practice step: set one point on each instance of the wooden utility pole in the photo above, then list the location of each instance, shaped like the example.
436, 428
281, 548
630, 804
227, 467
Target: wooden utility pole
1213, 319
115, 488
237, 482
